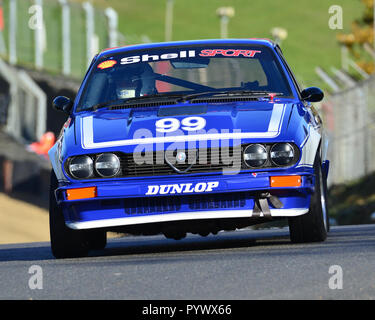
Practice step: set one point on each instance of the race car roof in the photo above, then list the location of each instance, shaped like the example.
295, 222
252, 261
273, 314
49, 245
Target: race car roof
145, 46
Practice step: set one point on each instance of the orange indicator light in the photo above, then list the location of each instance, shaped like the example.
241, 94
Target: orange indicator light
285, 181
81, 193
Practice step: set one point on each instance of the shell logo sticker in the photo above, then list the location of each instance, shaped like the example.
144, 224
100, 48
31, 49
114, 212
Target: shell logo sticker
106, 64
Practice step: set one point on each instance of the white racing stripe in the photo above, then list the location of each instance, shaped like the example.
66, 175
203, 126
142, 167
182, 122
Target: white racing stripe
274, 127
309, 148
180, 217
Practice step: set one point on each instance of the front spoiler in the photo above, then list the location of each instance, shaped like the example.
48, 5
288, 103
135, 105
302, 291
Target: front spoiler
181, 216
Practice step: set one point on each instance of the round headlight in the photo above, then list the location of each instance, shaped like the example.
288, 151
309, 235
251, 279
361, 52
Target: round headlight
255, 155
81, 167
107, 165
282, 154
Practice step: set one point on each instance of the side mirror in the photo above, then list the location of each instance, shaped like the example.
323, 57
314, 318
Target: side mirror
62, 103
312, 94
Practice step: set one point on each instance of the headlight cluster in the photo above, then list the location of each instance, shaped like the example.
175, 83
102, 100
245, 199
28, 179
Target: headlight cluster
270, 155
105, 165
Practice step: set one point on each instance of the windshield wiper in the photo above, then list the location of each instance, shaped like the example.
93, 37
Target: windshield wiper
230, 93
181, 97
121, 102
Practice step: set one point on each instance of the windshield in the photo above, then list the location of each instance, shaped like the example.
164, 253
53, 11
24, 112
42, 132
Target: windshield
170, 72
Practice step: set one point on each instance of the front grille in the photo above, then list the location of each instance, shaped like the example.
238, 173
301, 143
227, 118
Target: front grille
203, 161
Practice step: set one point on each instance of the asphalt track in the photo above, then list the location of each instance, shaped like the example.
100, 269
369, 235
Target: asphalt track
245, 264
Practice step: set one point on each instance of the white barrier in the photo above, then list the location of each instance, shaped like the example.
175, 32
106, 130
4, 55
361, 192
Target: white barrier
27, 113
350, 118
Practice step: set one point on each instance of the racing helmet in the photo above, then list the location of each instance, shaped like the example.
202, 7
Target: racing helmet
134, 81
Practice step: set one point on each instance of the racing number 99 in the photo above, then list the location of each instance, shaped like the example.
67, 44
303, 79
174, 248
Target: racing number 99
187, 124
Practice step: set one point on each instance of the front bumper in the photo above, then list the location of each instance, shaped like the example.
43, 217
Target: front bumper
181, 198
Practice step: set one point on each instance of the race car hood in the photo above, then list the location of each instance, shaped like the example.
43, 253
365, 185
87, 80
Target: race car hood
126, 128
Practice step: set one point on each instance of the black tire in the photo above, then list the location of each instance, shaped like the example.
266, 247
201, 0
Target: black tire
65, 242
312, 226
97, 239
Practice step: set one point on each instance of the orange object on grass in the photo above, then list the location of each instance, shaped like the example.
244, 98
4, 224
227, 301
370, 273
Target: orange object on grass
285, 181
45, 143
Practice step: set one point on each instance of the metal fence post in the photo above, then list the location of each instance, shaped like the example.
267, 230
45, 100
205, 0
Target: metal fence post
13, 32
66, 47
112, 19
168, 20
89, 10
39, 30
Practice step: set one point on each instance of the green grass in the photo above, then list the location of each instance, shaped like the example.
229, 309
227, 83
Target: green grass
310, 42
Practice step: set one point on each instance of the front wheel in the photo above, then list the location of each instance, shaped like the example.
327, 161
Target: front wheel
312, 226
65, 242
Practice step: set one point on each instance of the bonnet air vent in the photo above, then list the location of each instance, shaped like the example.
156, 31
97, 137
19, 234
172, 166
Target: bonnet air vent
143, 104
182, 110
222, 99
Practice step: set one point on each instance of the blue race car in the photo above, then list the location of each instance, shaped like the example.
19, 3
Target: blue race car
187, 137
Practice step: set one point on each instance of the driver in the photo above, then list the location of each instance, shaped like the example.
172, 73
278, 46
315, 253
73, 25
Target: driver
134, 81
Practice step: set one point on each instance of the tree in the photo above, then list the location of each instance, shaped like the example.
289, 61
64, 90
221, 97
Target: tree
362, 32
